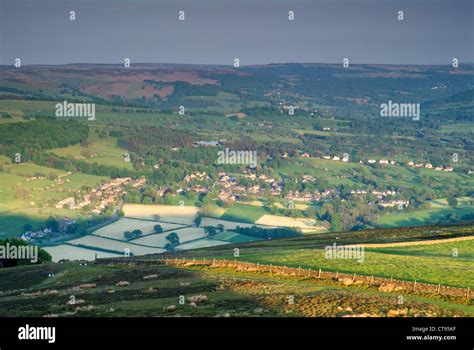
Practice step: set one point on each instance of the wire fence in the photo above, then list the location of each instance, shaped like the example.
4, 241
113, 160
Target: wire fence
383, 284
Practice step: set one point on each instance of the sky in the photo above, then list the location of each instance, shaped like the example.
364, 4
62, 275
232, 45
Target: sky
255, 31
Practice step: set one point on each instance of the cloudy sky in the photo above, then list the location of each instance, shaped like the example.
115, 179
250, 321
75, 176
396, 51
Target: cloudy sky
255, 31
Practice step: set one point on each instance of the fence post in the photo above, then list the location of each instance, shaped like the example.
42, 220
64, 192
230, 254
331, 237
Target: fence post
414, 285
439, 286
309, 272
354, 278
468, 290
371, 280
337, 274
319, 274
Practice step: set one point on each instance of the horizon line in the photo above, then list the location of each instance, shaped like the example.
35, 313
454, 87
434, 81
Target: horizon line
231, 66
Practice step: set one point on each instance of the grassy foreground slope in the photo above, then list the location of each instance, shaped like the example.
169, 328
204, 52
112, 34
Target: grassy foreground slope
143, 287
150, 289
446, 263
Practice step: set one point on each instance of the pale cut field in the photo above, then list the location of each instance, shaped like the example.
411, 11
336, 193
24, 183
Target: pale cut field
116, 229
170, 213
202, 243
306, 225
184, 234
65, 251
104, 243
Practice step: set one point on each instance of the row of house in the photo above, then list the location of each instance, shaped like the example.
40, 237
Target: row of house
381, 162
231, 189
336, 158
428, 166
101, 196
395, 203
379, 194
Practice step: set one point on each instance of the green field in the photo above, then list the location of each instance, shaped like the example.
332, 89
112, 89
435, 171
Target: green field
42, 194
232, 237
103, 151
459, 127
244, 213
433, 263
439, 210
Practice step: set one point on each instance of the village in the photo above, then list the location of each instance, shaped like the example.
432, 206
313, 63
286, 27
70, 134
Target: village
100, 197
410, 163
232, 189
229, 188
96, 200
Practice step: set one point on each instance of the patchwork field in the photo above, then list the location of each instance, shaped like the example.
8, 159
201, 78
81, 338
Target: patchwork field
184, 234
114, 246
110, 239
116, 229
306, 225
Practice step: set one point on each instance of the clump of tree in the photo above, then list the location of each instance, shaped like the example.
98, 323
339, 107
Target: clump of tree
132, 235
173, 241
197, 221
214, 230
